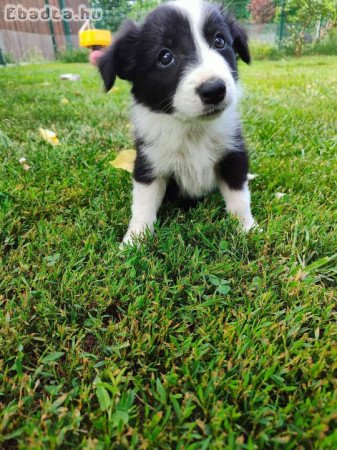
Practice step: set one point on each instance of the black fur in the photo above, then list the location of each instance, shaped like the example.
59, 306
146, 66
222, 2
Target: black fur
154, 86
175, 196
240, 39
135, 47
235, 36
215, 23
120, 58
134, 54
233, 168
143, 172
134, 57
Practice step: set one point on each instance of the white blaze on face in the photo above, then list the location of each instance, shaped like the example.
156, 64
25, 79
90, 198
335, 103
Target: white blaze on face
211, 64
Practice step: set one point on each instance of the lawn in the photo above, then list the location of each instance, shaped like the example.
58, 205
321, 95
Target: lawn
201, 338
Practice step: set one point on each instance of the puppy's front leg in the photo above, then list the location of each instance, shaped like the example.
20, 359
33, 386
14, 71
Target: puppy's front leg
147, 199
233, 184
238, 204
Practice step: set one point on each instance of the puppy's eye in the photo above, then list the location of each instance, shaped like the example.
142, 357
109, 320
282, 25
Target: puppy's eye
165, 58
219, 41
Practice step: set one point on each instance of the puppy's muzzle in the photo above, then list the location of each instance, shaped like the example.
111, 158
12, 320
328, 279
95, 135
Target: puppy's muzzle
212, 92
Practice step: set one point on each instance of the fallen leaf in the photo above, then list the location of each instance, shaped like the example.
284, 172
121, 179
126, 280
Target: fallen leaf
64, 101
125, 160
280, 195
49, 136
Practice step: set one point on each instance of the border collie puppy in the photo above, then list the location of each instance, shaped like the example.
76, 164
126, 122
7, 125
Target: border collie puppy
182, 64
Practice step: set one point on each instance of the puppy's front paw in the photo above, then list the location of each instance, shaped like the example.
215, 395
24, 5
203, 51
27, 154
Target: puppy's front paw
131, 238
135, 233
248, 224
127, 240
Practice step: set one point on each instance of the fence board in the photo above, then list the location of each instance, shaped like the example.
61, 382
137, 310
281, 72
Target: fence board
21, 39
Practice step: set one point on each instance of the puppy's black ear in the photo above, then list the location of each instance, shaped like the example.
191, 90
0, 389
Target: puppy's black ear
119, 58
240, 39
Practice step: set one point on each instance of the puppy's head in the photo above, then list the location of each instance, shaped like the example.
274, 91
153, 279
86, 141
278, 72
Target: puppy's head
182, 60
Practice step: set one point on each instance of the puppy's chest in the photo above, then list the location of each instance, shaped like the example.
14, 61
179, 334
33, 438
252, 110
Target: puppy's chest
190, 161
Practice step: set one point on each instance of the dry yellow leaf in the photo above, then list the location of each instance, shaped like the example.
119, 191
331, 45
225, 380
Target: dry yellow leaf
49, 136
64, 101
125, 160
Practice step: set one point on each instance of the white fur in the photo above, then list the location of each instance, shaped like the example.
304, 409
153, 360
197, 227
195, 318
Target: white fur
189, 150
184, 145
210, 64
146, 202
238, 204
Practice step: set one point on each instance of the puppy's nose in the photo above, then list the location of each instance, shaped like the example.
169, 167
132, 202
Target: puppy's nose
212, 92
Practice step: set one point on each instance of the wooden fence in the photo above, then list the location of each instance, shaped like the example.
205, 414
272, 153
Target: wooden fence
23, 39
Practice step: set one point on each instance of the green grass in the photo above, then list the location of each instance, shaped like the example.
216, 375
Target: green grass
73, 56
266, 51
203, 337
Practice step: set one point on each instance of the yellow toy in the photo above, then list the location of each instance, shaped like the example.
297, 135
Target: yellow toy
90, 37
95, 38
